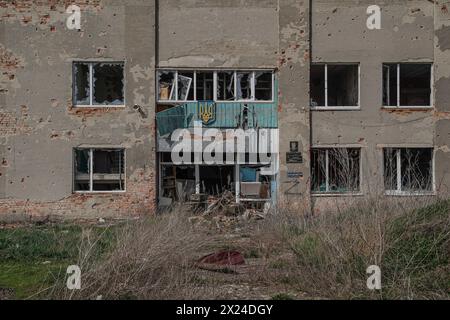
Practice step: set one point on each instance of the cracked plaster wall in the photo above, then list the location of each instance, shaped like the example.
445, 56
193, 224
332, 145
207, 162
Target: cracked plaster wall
38, 125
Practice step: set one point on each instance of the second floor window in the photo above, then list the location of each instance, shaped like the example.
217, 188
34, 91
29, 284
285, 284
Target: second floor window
407, 85
222, 86
334, 86
98, 84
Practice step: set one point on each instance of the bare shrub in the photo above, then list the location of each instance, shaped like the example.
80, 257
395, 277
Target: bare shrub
151, 259
408, 239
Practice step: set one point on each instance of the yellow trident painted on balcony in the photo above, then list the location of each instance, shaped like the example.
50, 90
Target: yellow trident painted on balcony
207, 112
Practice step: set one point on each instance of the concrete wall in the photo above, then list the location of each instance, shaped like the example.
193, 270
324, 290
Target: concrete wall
442, 96
38, 125
294, 120
340, 35
218, 33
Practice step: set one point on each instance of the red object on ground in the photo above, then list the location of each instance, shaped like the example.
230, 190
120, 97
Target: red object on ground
224, 258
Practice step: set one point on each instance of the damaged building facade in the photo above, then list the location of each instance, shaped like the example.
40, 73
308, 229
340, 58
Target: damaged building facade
88, 116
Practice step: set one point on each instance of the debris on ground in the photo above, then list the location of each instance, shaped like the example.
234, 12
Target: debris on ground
225, 204
229, 258
223, 261
223, 212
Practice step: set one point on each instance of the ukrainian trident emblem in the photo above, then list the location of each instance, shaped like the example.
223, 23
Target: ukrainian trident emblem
207, 112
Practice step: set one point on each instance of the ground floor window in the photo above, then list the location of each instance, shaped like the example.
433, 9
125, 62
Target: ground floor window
408, 170
336, 170
99, 170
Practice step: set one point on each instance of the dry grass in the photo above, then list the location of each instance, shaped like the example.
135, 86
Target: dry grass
409, 240
152, 259
289, 255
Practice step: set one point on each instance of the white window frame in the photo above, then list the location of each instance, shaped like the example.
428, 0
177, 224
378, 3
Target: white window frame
91, 85
326, 107
329, 193
91, 172
215, 85
399, 191
399, 106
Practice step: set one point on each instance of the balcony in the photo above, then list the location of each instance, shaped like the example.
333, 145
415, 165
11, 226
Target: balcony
221, 115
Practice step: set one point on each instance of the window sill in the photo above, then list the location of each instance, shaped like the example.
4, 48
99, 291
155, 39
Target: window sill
99, 192
358, 108
418, 108
410, 194
337, 195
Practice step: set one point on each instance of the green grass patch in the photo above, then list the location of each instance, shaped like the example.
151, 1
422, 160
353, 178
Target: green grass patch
33, 258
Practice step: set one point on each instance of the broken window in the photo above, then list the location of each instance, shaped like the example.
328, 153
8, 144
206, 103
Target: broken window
182, 86
336, 170
98, 84
407, 85
99, 170
185, 86
263, 86
205, 86
334, 85
166, 81
108, 84
408, 170
225, 86
82, 86
215, 180
244, 86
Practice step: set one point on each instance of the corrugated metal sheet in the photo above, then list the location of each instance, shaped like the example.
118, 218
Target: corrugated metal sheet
228, 115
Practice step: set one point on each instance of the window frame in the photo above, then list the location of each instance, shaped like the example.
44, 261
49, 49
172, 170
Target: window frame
326, 107
399, 106
91, 64
215, 85
91, 173
329, 193
399, 191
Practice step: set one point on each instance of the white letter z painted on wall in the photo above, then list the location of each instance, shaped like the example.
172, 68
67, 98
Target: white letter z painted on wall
374, 19
74, 20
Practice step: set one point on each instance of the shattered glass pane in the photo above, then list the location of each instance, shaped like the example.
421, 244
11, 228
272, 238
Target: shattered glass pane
244, 86
166, 85
81, 165
81, 84
225, 86
318, 170
185, 86
108, 81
